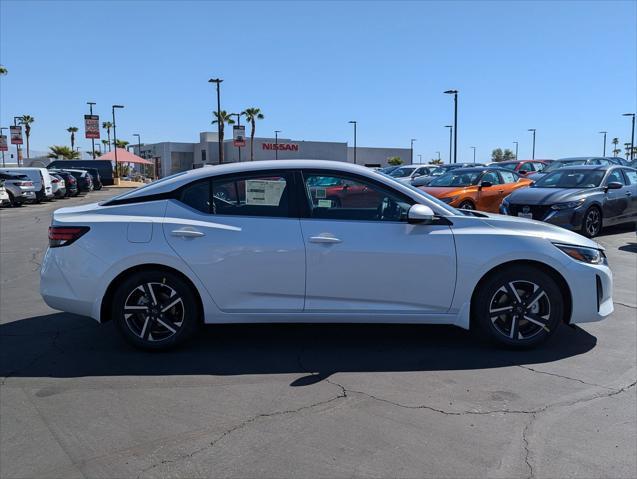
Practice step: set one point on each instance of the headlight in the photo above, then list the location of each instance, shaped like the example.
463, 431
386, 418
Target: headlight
448, 200
583, 254
570, 204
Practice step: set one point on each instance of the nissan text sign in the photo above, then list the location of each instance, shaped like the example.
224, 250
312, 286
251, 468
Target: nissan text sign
281, 146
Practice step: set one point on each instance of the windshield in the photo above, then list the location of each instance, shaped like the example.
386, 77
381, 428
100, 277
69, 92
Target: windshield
441, 170
456, 178
401, 172
571, 179
508, 166
559, 164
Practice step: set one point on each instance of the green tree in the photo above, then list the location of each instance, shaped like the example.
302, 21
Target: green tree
252, 114
616, 150
395, 161
121, 144
63, 152
72, 130
222, 118
3, 70
107, 125
26, 120
436, 162
98, 153
106, 144
508, 155
497, 155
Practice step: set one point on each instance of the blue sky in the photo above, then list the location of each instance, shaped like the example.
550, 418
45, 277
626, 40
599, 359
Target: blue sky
565, 68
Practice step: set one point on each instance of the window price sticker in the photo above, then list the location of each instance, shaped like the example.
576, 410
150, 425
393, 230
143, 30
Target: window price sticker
264, 192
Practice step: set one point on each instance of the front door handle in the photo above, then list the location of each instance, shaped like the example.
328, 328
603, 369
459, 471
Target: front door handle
325, 239
628, 193
188, 233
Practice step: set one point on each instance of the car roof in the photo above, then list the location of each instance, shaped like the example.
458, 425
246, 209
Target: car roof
588, 167
478, 169
578, 158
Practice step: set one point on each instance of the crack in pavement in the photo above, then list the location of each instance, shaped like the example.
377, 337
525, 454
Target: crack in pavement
631, 306
525, 445
563, 377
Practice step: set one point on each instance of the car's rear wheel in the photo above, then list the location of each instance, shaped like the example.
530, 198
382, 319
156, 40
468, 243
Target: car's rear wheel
518, 307
155, 310
592, 222
467, 205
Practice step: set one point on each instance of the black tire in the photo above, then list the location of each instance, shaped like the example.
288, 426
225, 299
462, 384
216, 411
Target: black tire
467, 205
13, 201
503, 319
143, 323
591, 222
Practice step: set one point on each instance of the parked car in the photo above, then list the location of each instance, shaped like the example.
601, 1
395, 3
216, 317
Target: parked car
69, 181
562, 162
581, 198
95, 176
441, 170
104, 167
388, 169
522, 167
83, 178
4, 196
409, 172
59, 186
481, 188
41, 180
19, 188
618, 160
174, 255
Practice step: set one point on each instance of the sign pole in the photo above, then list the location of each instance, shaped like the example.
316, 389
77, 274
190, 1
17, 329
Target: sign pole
90, 105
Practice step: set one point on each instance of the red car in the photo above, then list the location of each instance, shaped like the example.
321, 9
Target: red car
523, 167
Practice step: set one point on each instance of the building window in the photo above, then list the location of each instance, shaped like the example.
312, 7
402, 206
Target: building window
203, 156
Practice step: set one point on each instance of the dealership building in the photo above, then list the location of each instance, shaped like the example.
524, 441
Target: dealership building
172, 157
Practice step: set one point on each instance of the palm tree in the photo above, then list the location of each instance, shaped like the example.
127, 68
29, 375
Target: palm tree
3, 70
615, 142
252, 114
106, 143
26, 120
108, 125
121, 144
222, 118
63, 152
72, 130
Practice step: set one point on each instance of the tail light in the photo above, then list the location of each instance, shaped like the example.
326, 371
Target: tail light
65, 235
24, 183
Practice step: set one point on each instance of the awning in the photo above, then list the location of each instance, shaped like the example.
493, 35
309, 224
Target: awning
124, 156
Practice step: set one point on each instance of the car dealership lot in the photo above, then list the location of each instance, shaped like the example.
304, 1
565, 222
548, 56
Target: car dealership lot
307, 400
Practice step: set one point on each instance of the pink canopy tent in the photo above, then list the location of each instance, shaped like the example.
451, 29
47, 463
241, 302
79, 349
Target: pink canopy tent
125, 156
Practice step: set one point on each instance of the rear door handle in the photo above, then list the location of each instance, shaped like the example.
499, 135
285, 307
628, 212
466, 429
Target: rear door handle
325, 239
187, 233
628, 193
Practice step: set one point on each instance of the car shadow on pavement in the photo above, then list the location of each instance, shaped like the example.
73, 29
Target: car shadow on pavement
63, 345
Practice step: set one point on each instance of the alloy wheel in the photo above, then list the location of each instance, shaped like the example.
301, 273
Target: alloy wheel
592, 222
466, 206
154, 311
520, 310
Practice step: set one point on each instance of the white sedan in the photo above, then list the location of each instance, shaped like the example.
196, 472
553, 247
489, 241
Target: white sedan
314, 241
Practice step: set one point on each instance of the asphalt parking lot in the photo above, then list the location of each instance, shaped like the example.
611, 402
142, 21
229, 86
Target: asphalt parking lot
306, 400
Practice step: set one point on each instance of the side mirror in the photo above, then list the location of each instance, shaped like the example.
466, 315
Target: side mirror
614, 185
486, 184
420, 214
532, 183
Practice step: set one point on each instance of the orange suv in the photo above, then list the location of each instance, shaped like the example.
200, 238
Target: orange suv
481, 188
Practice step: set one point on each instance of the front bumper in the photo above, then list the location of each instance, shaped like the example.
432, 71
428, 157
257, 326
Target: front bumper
591, 292
570, 218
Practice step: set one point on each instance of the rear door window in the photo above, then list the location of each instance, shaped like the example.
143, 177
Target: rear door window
631, 175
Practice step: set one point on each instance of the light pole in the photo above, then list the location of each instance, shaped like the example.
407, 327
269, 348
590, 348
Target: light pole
450, 138
115, 138
474, 153
438, 155
353, 122
604, 133
90, 106
219, 125
139, 144
533, 154
412, 150
455, 123
632, 136
3, 128
516, 149
276, 144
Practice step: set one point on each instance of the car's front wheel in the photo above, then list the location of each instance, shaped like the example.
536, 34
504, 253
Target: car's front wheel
155, 310
592, 222
467, 205
518, 307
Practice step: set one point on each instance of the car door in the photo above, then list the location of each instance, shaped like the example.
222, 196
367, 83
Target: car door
616, 202
490, 197
631, 181
368, 259
241, 236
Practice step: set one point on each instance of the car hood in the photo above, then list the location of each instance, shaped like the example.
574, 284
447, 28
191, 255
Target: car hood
522, 226
548, 196
444, 191
535, 176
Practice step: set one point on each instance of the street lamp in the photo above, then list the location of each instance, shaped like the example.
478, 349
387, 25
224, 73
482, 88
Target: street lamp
455, 123
353, 122
139, 143
412, 150
474, 153
90, 105
604, 133
276, 144
438, 155
516, 149
115, 137
450, 137
219, 125
533, 155
632, 136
